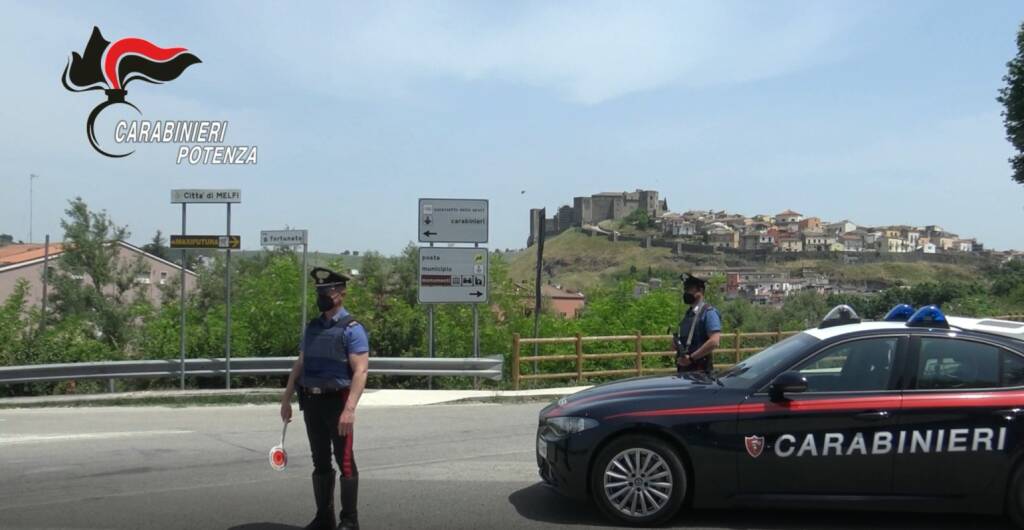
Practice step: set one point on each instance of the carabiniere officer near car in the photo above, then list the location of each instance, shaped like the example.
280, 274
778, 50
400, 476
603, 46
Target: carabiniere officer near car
330, 374
699, 332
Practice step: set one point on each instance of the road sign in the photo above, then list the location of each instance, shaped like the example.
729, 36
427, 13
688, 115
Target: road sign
283, 238
221, 242
205, 196
453, 275
453, 220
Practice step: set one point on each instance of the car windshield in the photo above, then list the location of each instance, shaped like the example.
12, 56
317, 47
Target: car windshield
768, 360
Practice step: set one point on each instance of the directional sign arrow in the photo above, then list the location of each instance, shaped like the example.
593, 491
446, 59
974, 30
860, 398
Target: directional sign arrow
427, 221
428, 233
477, 294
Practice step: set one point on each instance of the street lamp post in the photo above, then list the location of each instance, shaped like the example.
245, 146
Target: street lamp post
31, 178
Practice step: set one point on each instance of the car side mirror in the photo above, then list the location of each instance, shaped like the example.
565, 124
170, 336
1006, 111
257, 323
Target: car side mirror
787, 383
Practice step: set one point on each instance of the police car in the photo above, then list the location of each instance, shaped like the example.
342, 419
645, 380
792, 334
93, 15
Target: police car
917, 412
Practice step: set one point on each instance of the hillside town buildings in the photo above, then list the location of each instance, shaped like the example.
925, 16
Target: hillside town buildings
786, 231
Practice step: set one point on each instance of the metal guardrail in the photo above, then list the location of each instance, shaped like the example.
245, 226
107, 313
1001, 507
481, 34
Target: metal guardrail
484, 367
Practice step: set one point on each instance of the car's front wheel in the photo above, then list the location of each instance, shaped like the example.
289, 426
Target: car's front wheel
1015, 497
638, 480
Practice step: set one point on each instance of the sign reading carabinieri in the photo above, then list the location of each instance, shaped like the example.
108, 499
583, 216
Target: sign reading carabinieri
961, 440
195, 140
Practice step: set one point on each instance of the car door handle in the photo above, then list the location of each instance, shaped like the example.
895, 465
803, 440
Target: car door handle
873, 415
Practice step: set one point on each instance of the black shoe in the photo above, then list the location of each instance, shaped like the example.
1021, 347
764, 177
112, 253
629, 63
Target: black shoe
323, 494
349, 521
349, 503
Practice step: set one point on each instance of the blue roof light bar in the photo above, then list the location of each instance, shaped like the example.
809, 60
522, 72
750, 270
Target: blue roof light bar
899, 313
928, 317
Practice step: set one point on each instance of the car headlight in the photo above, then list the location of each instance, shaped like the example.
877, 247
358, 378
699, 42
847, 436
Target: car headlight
565, 425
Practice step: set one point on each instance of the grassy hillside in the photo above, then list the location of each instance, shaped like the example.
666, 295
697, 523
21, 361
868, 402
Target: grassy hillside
578, 261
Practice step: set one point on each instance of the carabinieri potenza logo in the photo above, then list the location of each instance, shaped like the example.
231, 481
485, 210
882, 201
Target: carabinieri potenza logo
111, 66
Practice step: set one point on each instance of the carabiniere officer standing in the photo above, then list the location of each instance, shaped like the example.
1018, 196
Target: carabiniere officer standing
700, 331
331, 374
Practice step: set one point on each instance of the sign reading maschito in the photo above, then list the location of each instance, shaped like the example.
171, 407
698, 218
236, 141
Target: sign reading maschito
206, 241
453, 275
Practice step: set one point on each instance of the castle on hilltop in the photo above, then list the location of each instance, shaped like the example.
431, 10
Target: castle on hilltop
608, 206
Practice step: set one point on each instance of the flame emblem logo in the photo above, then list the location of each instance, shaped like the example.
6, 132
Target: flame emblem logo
111, 66
754, 445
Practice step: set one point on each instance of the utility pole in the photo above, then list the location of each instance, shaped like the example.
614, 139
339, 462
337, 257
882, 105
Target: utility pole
541, 217
31, 178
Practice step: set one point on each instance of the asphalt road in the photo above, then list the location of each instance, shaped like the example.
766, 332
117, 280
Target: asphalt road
447, 466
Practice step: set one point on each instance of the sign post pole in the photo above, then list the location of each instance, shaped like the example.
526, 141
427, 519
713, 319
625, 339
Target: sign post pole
227, 299
476, 335
430, 338
430, 341
227, 242
182, 338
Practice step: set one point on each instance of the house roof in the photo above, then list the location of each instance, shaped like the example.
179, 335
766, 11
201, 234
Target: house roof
788, 212
23, 255
15, 254
550, 291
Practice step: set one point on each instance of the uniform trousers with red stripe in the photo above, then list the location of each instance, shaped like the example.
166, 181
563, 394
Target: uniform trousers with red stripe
321, 413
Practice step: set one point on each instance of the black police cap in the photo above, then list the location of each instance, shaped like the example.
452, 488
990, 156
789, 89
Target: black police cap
327, 278
690, 280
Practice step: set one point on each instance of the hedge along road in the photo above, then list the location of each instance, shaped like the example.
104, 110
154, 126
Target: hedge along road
444, 466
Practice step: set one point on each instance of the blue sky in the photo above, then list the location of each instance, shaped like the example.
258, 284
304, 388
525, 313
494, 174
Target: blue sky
879, 112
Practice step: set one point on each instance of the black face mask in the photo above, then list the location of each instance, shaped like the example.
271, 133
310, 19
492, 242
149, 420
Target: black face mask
689, 298
324, 302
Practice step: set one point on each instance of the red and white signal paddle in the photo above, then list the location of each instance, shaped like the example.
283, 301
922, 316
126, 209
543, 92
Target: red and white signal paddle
278, 456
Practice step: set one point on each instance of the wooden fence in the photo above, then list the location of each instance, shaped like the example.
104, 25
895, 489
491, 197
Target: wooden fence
731, 348
734, 351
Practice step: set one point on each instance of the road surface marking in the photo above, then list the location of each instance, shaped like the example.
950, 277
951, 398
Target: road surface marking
36, 438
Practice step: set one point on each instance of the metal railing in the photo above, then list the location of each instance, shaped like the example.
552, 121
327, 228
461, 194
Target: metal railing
483, 367
734, 349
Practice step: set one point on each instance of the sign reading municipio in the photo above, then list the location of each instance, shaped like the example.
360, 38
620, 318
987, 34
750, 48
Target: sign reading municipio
453, 220
453, 275
282, 238
206, 196
221, 242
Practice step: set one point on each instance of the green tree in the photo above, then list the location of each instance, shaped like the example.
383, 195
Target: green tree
638, 218
14, 325
157, 246
92, 283
1012, 98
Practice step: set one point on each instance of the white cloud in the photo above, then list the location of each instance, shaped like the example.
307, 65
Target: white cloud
587, 52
